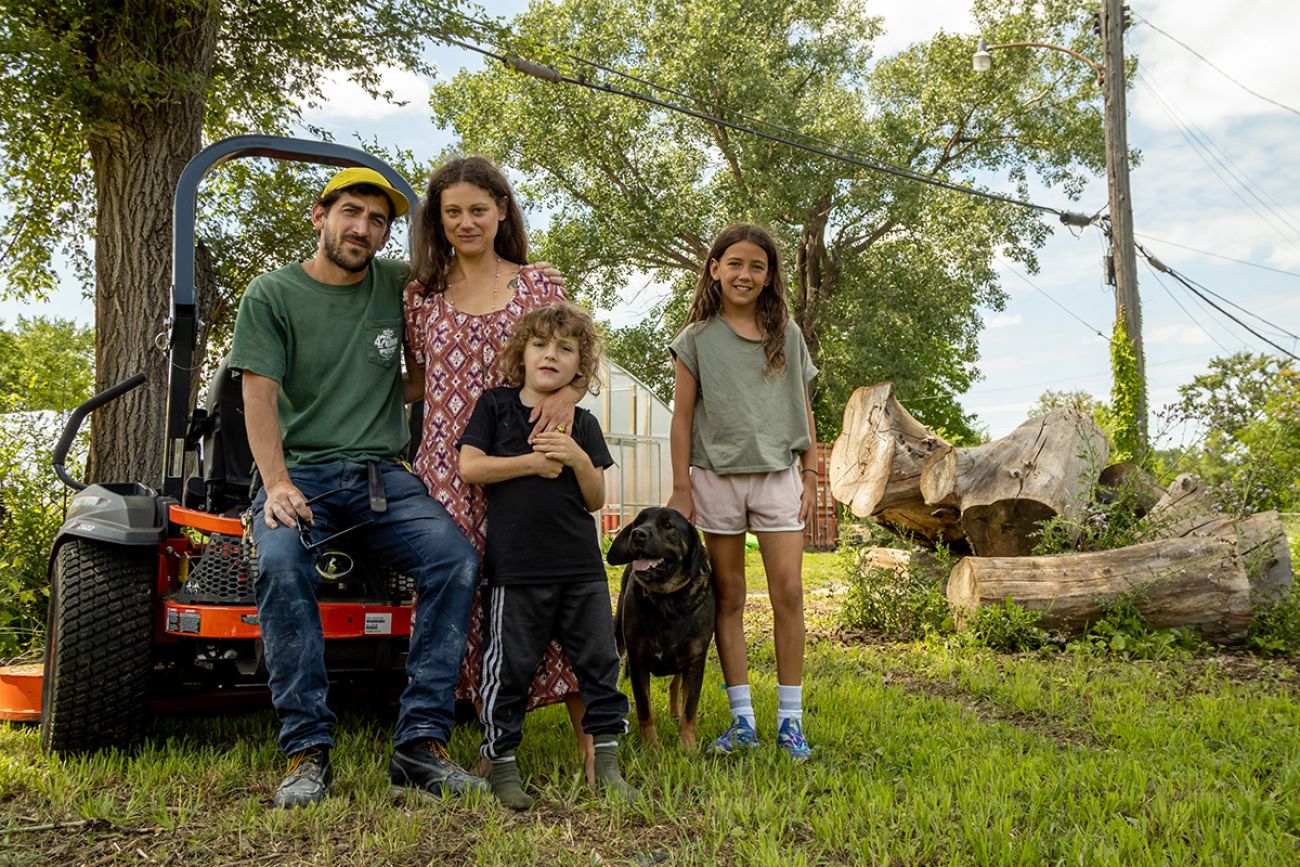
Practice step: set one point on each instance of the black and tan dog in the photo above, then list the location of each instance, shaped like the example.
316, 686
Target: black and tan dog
665, 613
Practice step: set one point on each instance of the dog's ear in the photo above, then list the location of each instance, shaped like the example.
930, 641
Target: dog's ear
618, 551
697, 558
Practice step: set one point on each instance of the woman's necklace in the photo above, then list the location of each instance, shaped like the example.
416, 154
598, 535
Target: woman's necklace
496, 283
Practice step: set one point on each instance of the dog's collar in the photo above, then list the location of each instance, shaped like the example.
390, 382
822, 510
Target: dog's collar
686, 579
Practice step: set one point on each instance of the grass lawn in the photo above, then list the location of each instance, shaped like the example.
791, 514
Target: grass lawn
924, 755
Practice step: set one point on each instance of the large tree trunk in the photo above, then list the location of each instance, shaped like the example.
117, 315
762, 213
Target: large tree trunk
1198, 581
1005, 488
876, 467
137, 156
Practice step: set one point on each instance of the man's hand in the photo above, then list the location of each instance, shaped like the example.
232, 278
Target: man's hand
559, 446
285, 504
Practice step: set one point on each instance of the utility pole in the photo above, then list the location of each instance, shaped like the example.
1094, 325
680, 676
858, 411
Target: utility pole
1123, 254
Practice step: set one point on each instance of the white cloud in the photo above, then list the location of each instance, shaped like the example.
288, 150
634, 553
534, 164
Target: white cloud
1003, 320
345, 100
907, 21
1187, 335
1246, 40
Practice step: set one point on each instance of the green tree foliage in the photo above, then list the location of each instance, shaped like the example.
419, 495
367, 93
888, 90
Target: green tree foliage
886, 274
46, 368
45, 364
1249, 408
101, 106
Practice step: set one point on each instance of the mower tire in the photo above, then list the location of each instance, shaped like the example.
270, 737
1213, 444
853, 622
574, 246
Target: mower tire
98, 643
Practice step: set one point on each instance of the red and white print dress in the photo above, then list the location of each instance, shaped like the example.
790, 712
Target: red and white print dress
458, 352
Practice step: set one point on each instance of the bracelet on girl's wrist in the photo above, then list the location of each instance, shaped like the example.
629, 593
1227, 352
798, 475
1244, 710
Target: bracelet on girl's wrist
811, 470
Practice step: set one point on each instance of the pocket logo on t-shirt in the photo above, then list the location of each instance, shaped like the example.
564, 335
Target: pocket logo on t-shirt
386, 343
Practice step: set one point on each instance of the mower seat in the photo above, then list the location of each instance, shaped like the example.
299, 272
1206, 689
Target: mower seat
228, 461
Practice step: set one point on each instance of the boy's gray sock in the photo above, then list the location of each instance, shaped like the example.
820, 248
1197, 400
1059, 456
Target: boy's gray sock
608, 776
506, 785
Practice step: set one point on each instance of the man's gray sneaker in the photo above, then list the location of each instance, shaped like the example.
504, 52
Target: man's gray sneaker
427, 766
308, 779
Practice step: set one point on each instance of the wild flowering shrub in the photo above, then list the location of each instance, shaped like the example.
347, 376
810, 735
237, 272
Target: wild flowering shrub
32, 503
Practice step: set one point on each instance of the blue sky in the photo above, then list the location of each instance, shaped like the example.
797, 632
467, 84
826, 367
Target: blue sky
1251, 213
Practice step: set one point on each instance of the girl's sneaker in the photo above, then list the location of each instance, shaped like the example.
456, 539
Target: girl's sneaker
790, 738
740, 736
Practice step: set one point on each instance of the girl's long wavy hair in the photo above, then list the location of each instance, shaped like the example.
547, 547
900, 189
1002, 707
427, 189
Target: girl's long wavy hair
432, 253
772, 313
562, 319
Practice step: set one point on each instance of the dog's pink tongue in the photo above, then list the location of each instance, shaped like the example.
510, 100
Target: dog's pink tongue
643, 564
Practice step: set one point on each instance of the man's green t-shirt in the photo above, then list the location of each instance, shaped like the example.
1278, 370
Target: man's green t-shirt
336, 352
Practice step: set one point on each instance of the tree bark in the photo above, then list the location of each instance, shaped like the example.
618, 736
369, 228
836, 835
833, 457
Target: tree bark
876, 467
1005, 488
137, 156
1198, 581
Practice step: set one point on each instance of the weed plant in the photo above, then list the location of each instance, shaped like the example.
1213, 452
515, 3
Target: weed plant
1275, 628
1111, 518
1123, 631
1008, 627
902, 604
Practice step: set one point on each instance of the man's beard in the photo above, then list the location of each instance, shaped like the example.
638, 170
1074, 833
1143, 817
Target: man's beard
338, 254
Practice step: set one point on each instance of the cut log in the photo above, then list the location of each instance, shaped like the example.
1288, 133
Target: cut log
1184, 509
1195, 581
876, 467
1261, 544
1128, 481
1005, 488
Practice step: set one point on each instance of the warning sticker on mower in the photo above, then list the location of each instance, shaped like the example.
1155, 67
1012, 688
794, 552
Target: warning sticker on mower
189, 621
379, 624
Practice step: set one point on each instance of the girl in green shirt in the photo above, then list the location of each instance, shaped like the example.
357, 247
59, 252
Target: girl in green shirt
742, 458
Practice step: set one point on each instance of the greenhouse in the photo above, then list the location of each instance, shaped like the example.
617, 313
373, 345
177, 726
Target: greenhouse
636, 425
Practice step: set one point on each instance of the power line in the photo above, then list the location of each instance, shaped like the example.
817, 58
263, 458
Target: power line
1220, 256
1156, 263
1031, 284
1272, 325
1207, 62
548, 73
1201, 145
1174, 299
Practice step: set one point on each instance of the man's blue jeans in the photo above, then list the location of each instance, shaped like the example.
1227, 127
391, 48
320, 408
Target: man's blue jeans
417, 538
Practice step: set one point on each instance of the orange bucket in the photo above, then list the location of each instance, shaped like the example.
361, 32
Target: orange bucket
20, 692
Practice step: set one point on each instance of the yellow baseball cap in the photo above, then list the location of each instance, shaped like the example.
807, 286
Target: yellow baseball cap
358, 175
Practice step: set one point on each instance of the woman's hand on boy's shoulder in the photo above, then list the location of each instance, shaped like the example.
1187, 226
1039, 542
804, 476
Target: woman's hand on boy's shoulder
554, 412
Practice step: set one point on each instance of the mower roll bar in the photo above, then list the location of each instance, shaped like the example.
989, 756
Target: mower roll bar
60, 456
184, 323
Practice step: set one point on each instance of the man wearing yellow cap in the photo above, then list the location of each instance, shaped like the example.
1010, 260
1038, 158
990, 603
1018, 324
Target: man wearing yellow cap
319, 346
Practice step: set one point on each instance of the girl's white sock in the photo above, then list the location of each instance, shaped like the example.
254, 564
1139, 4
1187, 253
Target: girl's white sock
741, 704
789, 704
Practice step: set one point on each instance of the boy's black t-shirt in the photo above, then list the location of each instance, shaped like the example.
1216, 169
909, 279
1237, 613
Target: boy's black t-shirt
539, 530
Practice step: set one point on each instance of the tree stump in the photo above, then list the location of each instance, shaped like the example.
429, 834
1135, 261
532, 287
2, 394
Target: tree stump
1129, 481
1005, 488
1194, 581
876, 467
